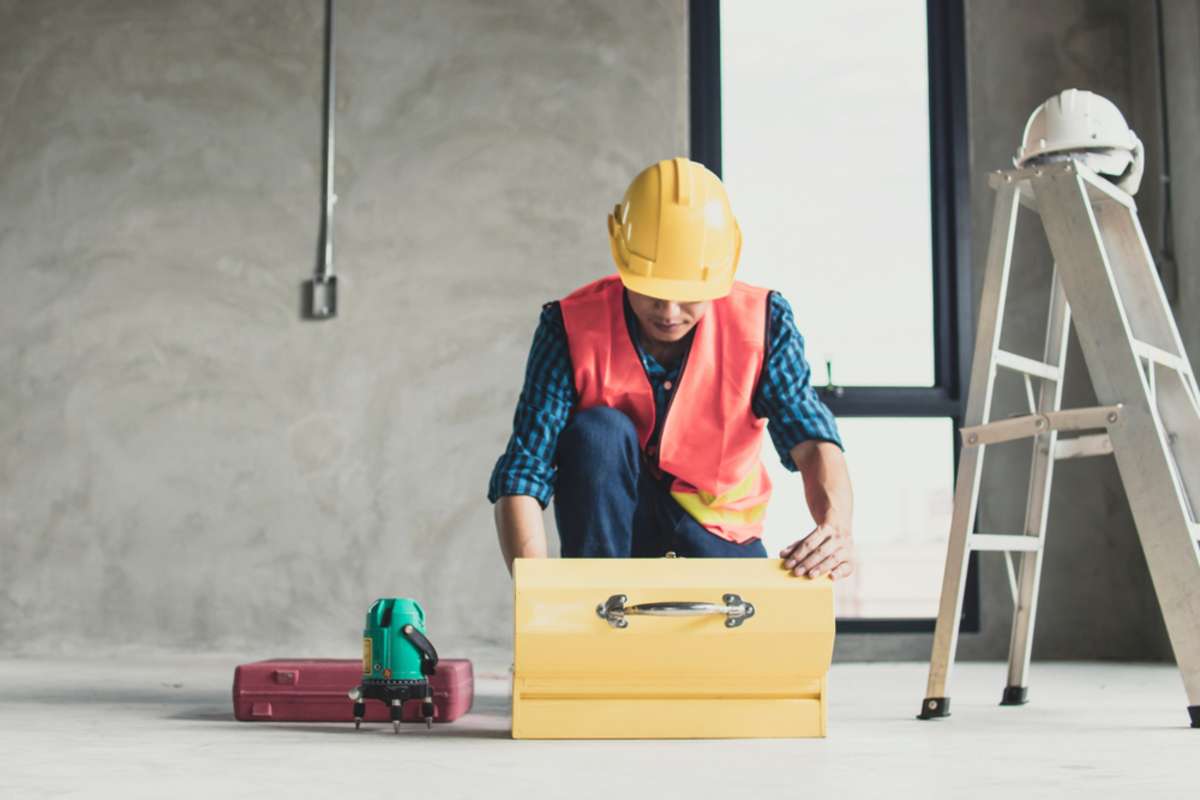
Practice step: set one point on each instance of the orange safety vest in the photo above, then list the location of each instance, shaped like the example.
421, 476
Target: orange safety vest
711, 439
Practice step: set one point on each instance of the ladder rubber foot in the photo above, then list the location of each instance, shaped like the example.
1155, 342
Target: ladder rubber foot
1194, 713
934, 707
1015, 696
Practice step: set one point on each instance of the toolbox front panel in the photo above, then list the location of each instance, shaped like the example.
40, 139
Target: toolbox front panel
576, 675
668, 719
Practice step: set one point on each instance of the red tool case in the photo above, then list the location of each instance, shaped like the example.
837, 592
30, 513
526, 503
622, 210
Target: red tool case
314, 690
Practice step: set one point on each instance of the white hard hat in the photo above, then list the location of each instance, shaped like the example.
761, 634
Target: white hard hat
1084, 126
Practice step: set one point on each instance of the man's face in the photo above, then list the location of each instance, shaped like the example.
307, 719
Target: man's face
666, 321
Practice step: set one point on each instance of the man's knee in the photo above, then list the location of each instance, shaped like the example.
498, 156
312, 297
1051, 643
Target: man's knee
599, 431
597, 484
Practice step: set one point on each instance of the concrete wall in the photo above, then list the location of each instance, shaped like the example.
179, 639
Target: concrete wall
1092, 559
185, 463
1096, 596
1181, 43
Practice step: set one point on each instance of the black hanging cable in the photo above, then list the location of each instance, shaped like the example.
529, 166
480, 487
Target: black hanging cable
320, 297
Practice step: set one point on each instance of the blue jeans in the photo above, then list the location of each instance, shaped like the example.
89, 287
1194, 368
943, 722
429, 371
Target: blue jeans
609, 505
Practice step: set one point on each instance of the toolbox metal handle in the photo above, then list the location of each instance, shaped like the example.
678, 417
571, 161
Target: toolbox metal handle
732, 607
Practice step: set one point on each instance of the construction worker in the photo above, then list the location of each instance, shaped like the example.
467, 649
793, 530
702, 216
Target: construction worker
646, 394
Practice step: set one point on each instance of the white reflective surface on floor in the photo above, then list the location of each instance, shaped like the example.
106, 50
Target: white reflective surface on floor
161, 726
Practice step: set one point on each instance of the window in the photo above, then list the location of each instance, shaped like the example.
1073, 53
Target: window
842, 144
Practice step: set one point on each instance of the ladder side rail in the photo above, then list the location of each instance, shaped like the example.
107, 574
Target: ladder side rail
1136, 277
979, 401
1139, 441
1125, 242
1180, 416
1037, 506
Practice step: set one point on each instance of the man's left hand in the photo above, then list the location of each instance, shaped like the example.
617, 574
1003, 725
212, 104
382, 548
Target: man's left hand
828, 550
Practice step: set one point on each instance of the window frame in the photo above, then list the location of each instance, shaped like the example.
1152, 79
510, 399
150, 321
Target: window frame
953, 329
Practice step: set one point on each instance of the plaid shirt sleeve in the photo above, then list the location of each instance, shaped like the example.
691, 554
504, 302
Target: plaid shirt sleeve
785, 395
527, 466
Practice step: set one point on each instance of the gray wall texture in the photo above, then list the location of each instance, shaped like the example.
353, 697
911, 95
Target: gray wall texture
1096, 597
186, 464
183, 462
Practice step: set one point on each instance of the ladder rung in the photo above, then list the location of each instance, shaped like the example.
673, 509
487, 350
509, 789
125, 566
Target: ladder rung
1083, 446
1075, 419
1002, 541
1029, 366
1160, 356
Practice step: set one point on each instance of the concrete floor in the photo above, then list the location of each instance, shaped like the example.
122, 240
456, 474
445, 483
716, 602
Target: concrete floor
162, 726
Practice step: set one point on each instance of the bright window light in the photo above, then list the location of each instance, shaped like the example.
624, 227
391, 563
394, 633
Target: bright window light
825, 127
826, 156
902, 471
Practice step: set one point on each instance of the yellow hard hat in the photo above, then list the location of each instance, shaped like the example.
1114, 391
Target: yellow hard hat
674, 236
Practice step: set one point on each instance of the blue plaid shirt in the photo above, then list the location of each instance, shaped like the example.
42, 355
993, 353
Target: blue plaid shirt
785, 397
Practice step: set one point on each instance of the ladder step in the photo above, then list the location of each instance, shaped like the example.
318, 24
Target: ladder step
1004, 541
1160, 356
1075, 419
1083, 446
1028, 366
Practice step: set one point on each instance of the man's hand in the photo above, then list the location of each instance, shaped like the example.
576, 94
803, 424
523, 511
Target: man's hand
826, 551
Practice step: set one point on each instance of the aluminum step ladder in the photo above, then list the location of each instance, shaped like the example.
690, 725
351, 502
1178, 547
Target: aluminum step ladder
1148, 417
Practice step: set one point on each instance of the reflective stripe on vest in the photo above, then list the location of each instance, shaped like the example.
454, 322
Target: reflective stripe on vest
711, 441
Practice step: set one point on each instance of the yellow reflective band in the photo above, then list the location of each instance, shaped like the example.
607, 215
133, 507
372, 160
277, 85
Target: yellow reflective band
710, 509
708, 515
735, 492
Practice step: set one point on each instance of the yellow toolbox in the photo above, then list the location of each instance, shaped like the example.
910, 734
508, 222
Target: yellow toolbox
669, 648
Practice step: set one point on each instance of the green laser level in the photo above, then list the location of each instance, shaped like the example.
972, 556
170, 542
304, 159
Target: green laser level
397, 660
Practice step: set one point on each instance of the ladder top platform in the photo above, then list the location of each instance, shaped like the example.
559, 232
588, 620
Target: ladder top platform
1099, 188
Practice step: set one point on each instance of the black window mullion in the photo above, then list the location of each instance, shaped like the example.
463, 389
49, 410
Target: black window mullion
704, 88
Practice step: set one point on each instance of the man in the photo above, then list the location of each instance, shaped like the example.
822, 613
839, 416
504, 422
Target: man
646, 394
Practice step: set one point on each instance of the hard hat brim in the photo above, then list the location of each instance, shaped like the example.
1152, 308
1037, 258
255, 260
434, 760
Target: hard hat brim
676, 290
